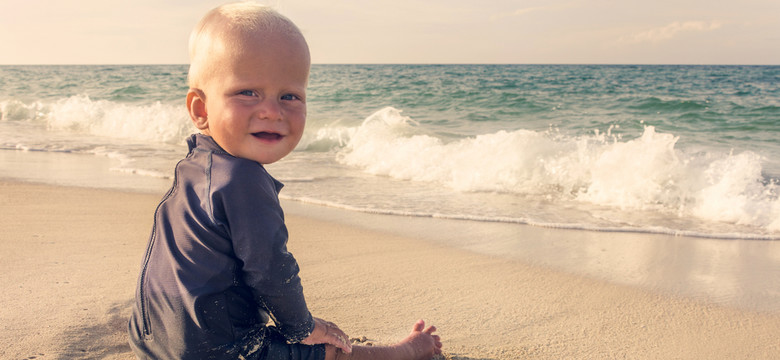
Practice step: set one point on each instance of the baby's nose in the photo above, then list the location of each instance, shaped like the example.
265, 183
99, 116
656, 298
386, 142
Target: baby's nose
269, 109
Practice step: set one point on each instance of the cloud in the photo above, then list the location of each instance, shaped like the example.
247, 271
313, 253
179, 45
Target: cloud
528, 10
671, 31
524, 11
518, 12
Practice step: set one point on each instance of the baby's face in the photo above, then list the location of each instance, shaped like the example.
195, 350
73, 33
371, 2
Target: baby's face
256, 99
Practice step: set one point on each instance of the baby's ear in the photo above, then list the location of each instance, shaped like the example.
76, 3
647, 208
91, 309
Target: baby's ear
196, 104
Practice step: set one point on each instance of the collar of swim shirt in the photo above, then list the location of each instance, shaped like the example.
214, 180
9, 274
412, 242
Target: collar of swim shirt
207, 143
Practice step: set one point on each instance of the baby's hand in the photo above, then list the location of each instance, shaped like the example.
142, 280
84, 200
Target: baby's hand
326, 332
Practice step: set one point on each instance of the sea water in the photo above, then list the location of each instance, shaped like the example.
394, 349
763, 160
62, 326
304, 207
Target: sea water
683, 150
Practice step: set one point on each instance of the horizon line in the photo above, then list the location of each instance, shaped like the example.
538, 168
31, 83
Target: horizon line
410, 63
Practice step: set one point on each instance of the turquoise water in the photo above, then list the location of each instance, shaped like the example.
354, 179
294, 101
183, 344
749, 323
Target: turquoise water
689, 150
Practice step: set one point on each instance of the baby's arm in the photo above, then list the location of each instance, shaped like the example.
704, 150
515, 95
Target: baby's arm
326, 332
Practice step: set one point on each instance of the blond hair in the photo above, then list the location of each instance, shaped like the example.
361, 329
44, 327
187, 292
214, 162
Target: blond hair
240, 18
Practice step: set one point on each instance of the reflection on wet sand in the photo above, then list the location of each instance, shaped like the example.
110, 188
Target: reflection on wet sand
740, 273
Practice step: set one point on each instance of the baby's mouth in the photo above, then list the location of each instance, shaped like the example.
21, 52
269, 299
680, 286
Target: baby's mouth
267, 136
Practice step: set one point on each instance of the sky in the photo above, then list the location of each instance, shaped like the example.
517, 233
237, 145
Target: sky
414, 32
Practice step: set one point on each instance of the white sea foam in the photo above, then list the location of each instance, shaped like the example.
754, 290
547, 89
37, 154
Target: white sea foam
734, 193
326, 138
142, 172
155, 122
647, 173
527, 221
15, 110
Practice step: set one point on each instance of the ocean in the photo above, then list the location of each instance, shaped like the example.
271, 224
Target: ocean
680, 150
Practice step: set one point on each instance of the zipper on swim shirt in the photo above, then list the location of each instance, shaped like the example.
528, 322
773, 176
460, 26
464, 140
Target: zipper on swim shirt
146, 322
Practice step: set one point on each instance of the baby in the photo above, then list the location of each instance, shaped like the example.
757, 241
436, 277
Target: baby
217, 267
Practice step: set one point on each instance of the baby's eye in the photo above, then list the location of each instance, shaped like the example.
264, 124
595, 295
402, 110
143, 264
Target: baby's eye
289, 97
247, 93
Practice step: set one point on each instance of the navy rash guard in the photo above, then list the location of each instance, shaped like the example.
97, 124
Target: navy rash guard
217, 263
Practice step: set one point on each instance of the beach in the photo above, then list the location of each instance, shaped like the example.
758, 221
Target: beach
70, 257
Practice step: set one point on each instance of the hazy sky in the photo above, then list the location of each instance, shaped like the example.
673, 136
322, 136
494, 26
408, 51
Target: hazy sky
405, 31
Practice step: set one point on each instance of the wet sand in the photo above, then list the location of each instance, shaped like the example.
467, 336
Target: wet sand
70, 258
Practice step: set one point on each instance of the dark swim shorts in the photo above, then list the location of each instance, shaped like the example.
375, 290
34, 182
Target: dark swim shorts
266, 343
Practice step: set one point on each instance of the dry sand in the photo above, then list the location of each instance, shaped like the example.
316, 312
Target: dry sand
70, 258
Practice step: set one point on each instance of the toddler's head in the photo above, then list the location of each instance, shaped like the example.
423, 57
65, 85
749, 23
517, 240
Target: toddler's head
249, 68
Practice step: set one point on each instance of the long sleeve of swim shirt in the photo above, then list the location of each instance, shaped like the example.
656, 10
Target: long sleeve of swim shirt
217, 262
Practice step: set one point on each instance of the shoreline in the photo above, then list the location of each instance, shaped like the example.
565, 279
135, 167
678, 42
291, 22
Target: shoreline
71, 256
730, 272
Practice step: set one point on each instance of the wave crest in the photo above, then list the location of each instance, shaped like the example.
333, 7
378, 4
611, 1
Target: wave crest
156, 122
645, 173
